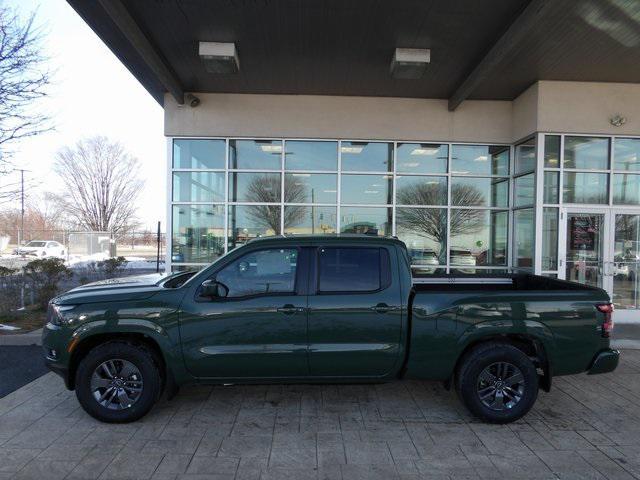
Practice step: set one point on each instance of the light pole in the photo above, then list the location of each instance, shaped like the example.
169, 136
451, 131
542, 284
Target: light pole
21, 235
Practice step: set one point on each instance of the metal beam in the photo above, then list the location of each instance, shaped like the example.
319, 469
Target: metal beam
522, 25
129, 28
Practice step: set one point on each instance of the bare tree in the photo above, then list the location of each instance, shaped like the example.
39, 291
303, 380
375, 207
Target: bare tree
101, 184
266, 189
432, 222
23, 81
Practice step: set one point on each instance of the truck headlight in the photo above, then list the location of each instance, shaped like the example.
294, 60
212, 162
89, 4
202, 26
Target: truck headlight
60, 314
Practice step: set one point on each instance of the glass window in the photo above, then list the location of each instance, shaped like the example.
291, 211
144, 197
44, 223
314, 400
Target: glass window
198, 233
550, 239
424, 231
302, 155
254, 187
255, 154
366, 189
524, 237
551, 187
350, 269
261, 272
626, 189
198, 186
524, 190
310, 188
420, 190
309, 219
585, 187
478, 237
421, 158
627, 154
480, 160
198, 153
586, 153
252, 221
552, 151
371, 220
475, 191
367, 156
526, 156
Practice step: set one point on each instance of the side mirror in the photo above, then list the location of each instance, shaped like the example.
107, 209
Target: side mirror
213, 289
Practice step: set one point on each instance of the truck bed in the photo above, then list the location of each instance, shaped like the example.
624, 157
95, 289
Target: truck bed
518, 282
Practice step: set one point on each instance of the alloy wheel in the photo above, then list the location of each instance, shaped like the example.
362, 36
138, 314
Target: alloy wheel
501, 386
116, 384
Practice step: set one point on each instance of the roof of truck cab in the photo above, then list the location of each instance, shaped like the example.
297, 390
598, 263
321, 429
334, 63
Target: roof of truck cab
327, 238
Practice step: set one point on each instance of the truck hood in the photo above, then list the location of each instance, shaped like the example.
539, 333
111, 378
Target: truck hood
136, 287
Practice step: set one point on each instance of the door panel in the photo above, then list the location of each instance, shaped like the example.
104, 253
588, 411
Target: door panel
585, 243
260, 328
354, 333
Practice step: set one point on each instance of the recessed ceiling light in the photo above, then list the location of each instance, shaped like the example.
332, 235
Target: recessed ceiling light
301, 174
271, 148
219, 57
424, 151
410, 63
481, 158
351, 149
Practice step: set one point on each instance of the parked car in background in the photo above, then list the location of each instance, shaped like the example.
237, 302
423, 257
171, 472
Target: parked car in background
462, 257
42, 248
423, 260
325, 309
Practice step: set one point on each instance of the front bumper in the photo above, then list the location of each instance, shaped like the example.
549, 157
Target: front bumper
605, 361
56, 357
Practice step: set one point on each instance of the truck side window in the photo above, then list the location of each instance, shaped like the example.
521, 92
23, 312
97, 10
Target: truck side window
353, 269
260, 272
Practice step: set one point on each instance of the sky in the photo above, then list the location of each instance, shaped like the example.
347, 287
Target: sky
92, 94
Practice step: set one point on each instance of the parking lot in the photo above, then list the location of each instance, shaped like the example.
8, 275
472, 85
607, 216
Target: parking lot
588, 427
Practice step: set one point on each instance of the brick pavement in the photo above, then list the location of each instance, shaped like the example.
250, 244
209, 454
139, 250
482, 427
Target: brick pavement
586, 428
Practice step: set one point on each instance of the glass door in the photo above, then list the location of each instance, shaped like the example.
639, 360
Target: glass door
626, 259
584, 251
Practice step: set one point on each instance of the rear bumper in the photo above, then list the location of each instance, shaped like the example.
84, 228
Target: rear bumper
605, 361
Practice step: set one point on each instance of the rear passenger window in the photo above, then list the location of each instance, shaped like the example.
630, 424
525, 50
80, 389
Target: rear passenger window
353, 269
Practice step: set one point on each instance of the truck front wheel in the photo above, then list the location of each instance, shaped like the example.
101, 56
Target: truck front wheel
497, 382
118, 382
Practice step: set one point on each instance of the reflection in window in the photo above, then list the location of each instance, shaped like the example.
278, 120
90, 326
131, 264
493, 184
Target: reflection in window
369, 220
551, 187
367, 189
476, 191
255, 154
310, 188
524, 190
480, 160
198, 233
424, 230
198, 153
421, 190
303, 155
586, 153
421, 158
586, 187
478, 237
261, 272
524, 237
309, 219
367, 156
351, 269
550, 239
552, 151
526, 156
626, 189
198, 186
252, 221
256, 187
627, 154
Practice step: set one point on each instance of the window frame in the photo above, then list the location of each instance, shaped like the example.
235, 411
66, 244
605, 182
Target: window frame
385, 271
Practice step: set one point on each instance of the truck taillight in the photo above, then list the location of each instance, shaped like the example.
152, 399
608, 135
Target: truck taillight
607, 326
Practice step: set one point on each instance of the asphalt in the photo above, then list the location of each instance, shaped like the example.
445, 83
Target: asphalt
19, 365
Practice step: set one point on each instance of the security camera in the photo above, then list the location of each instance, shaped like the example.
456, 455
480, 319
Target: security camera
192, 100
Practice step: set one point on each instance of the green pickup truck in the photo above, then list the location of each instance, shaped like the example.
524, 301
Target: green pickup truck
325, 309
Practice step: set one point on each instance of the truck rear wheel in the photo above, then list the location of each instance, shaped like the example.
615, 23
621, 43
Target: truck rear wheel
497, 382
118, 382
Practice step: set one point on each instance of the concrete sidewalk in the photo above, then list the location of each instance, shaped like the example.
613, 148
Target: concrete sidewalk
588, 427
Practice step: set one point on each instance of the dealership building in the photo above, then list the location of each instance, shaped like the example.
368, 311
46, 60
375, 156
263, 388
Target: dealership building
490, 136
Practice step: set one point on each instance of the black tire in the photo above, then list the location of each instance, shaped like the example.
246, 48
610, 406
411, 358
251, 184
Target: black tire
120, 352
485, 360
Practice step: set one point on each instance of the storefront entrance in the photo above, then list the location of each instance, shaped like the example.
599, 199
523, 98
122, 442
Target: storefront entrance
601, 247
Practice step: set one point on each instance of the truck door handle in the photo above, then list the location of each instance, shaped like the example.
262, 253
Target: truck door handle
381, 308
289, 309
